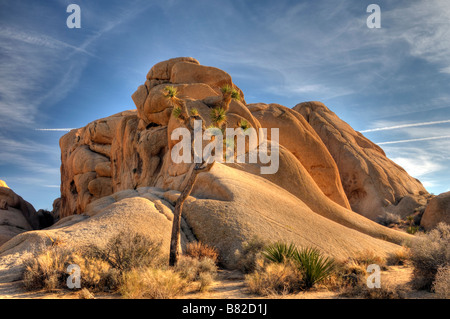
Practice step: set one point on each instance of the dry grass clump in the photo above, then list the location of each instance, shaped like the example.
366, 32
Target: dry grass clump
349, 277
387, 291
275, 278
250, 255
368, 257
100, 267
199, 271
152, 283
48, 270
199, 250
130, 264
399, 257
441, 285
430, 253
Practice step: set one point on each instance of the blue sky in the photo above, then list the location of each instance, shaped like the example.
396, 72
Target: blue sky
391, 83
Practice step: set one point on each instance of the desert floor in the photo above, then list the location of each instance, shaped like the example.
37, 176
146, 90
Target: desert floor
230, 285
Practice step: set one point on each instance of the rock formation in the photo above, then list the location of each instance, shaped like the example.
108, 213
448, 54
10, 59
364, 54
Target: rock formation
117, 173
372, 182
16, 214
438, 210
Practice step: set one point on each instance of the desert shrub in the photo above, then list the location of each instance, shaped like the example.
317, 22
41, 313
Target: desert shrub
201, 271
388, 219
314, 266
199, 250
346, 276
441, 285
96, 274
368, 257
250, 255
279, 252
399, 257
275, 278
412, 229
349, 279
387, 291
429, 253
152, 283
47, 270
126, 251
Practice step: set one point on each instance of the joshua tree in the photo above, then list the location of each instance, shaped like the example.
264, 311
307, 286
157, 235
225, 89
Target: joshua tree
228, 93
218, 119
187, 118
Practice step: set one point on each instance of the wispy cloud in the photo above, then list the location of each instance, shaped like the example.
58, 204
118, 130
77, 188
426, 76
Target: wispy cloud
425, 26
401, 126
54, 129
37, 39
415, 140
418, 166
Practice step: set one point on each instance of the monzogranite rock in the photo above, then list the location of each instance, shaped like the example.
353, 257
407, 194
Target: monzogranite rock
117, 174
16, 214
371, 181
438, 210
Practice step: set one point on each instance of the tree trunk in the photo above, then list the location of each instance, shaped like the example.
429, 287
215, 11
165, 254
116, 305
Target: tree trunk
176, 226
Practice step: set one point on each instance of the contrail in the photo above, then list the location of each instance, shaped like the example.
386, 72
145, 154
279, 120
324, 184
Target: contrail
54, 129
404, 125
415, 140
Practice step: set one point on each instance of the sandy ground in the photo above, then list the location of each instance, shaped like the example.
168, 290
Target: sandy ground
229, 285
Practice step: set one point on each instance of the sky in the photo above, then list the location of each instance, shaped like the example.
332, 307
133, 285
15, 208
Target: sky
390, 83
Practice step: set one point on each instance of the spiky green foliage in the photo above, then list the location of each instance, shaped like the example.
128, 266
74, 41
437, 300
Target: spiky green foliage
314, 265
171, 92
235, 95
279, 252
226, 89
176, 112
194, 111
218, 116
244, 124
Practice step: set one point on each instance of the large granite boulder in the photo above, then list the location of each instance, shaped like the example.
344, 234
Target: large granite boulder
371, 181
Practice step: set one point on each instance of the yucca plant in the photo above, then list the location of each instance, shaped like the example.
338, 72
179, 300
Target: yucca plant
226, 89
218, 116
176, 112
235, 95
194, 111
279, 252
411, 228
244, 124
314, 266
171, 92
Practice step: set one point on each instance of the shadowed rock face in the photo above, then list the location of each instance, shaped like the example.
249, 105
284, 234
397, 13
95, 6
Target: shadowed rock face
372, 182
438, 210
306, 201
16, 214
